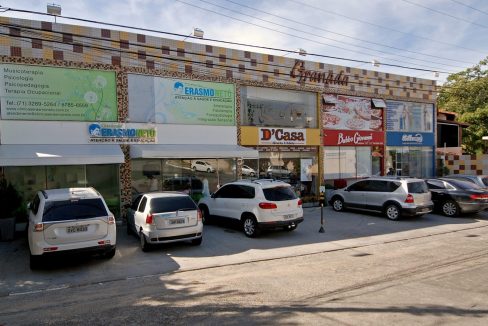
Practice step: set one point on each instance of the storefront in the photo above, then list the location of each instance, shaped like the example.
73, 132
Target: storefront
353, 138
410, 139
196, 148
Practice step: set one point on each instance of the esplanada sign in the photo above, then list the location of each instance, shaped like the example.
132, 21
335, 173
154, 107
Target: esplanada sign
298, 71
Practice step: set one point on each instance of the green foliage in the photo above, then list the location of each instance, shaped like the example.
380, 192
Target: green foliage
11, 204
466, 93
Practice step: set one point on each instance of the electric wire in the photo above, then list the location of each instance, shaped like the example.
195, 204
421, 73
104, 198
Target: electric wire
470, 7
227, 42
301, 3
345, 35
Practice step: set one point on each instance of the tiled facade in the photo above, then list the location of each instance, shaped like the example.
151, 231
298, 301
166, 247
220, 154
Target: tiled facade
53, 44
467, 164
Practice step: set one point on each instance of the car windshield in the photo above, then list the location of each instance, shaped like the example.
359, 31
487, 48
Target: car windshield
171, 204
419, 187
74, 209
485, 181
279, 193
459, 184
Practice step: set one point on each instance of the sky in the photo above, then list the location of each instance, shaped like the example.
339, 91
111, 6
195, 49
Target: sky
408, 37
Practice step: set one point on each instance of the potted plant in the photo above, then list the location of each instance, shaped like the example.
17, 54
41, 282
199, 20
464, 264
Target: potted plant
11, 207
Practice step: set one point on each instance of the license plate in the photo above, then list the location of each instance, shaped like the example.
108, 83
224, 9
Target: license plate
77, 228
177, 221
289, 216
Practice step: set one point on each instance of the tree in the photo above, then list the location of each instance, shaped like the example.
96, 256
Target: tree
466, 93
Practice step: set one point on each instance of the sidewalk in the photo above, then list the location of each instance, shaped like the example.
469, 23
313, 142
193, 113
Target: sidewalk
222, 246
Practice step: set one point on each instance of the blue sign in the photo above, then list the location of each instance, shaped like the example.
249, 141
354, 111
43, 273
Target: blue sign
410, 139
116, 132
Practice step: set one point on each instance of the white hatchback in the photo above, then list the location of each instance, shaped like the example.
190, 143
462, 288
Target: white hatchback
256, 204
69, 220
162, 217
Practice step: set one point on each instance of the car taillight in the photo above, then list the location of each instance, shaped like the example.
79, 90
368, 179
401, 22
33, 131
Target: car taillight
199, 215
38, 227
409, 199
111, 219
300, 202
149, 219
267, 205
479, 196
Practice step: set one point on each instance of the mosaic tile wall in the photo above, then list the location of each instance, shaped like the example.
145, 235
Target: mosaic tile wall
48, 40
467, 164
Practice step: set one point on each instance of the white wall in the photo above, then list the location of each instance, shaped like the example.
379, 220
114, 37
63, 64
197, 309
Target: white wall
60, 132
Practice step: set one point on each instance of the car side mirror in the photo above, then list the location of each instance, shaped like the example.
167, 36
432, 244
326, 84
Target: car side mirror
29, 205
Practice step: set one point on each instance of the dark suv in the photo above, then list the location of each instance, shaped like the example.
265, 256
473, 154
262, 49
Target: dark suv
395, 196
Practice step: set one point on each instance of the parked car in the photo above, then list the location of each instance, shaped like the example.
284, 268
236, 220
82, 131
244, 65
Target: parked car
453, 197
163, 217
278, 172
480, 180
393, 196
246, 170
256, 204
69, 220
202, 166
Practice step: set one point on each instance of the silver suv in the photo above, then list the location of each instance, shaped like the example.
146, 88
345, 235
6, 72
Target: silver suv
393, 196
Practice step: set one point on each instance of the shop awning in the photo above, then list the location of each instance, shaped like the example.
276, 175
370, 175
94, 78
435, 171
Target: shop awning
192, 151
379, 103
30, 155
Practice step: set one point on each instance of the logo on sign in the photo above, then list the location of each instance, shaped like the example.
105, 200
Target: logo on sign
356, 139
409, 138
281, 136
118, 133
190, 90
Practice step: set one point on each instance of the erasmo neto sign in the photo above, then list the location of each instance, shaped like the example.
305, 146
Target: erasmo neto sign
282, 136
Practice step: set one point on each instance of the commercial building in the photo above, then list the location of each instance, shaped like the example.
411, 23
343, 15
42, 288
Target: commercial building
127, 112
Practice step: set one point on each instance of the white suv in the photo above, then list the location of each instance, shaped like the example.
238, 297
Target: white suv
257, 204
69, 220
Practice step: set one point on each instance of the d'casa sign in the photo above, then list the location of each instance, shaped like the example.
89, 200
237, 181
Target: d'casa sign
282, 136
298, 71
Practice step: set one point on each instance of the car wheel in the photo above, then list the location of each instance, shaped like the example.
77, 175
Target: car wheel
35, 262
290, 228
250, 226
392, 211
450, 208
205, 215
197, 242
110, 254
338, 204
145, 246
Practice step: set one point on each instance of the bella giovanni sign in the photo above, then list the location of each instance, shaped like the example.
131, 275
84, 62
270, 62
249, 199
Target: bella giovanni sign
353, 138
299, 72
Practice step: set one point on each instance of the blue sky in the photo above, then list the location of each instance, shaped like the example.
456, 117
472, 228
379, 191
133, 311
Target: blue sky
436, 35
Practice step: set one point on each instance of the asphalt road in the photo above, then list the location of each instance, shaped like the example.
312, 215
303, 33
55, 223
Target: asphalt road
431, 270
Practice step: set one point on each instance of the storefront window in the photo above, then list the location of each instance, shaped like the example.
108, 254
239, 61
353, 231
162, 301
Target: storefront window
105, 179
349, 163
197, 177
26, 179
410, 161
65, 176
300, 169
278, 108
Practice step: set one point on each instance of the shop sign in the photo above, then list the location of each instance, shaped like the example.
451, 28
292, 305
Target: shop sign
407, 116
120, 133
181, 101
303, 75
64, 94
409, 139
297, 149
353, 138
282, 136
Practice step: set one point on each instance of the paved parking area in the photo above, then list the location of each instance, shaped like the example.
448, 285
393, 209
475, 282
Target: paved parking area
222, 245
